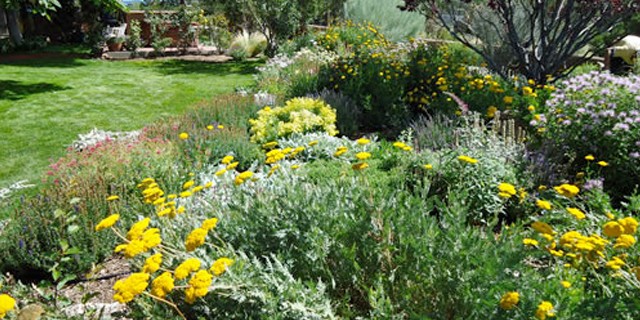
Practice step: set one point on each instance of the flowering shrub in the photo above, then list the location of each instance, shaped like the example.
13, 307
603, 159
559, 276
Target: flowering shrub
298, 115
597, 114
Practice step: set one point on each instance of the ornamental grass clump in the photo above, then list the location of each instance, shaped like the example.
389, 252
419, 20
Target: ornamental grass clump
297, 116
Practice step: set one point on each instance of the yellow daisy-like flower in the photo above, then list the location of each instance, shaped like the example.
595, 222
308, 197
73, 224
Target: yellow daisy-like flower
508, 100
565, 284
184, 269
209, 127
107, 222
576, 213
221, 172
491, 112
603, 163
112, 198
162, 285
220, 127
152, 264
615, 263
313, 143
130, 287
544, 205
530, 242
509, 300
183, 136
428, 166
220, 266
589, 157
7, 303
363, 141
363, 155
545, 309
138, 228
467, 159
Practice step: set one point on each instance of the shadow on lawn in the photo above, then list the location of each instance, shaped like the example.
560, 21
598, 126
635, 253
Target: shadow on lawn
15, 90
197, 67
43, 60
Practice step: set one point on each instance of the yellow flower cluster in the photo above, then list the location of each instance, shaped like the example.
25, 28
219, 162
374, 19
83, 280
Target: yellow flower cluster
140, 239
130, 287
402, 146
467, 159
183, 270
242, 177
567, 190
220, 265
506, 190
152, 264
107, 222
509, 300
7, 303
162, 285
298, 115
545, 309
197, 237
198, 286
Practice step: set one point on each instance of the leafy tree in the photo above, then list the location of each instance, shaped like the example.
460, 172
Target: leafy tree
537, 38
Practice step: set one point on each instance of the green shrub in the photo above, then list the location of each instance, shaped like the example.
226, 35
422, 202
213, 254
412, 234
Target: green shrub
298, 115
134, 40
596, 114
395, 24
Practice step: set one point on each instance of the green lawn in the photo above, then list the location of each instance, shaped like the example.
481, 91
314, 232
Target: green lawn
45, 104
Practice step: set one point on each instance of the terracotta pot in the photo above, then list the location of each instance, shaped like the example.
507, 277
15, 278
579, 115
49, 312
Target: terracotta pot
115, 46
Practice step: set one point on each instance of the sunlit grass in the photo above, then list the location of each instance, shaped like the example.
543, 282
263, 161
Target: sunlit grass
45, 104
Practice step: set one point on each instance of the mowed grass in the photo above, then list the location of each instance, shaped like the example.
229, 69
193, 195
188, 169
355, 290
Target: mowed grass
45, 104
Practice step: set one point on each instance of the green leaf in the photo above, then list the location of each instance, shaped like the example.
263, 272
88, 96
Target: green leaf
73, 228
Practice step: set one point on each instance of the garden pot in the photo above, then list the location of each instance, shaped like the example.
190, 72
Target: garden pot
115, 46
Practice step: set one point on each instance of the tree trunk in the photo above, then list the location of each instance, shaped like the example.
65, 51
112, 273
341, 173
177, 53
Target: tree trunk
14, 27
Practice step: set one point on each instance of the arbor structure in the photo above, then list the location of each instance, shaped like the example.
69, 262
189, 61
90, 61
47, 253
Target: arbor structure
536, 38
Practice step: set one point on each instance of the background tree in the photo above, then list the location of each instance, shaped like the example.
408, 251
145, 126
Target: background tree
536, 38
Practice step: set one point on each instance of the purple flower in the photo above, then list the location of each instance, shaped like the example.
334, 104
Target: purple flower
634, 155
593, 184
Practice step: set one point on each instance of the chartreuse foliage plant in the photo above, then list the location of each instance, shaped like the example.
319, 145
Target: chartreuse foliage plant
298, 115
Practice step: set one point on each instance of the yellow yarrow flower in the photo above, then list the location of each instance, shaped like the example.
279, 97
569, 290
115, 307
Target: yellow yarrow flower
198, 286
210, 127
629, 224
542, 227
624, 241
209, 224
185, 268
467, 159
577, 213
7, 303
363, 155
507, 190
232, 165
363, 141
508, 100
130, 287
428, 166
589, 157
152, 264
138, 228
545, 309
612, 229
603, 163
226, 159
107, 222
567, 190
544, 205
615, 263
313, 143
188, 184
509, 300
565, 284
530, 242
491, 112
221, 172
220, 265
360, 166
112, 198
183, 136
195, 239
340, 151
162, 285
